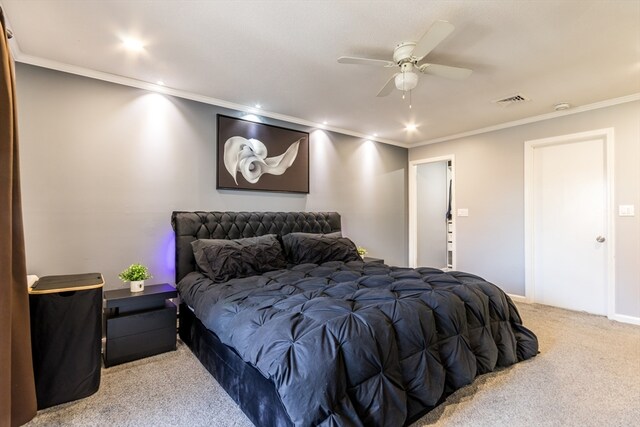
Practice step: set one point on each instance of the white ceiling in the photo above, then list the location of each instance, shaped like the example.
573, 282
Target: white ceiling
282, 54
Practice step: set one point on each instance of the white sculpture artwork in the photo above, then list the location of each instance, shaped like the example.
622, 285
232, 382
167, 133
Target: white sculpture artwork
249, 157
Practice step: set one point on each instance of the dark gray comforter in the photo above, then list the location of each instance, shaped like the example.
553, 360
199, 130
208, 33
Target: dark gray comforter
362, 344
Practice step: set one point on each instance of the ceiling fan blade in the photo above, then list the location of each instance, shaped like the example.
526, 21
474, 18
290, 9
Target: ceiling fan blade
432, 38
388, 86
365, 61
445, 71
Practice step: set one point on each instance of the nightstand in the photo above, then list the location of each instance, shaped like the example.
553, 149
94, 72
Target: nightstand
369, 259
139, 324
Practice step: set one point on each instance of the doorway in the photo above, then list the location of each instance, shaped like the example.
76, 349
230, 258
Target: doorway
568, 225
431, 227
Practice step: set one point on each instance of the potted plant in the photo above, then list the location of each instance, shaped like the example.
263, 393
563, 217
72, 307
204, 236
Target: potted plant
135, 274
361, 251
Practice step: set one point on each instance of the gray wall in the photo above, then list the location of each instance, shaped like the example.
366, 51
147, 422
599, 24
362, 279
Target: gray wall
490, 182
104, 165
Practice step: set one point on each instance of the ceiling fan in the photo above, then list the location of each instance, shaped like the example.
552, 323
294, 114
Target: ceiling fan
408, 56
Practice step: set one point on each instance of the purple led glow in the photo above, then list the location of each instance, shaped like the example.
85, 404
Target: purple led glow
165, 259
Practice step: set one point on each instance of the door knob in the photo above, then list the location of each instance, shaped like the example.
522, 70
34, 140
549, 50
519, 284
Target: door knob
600, 239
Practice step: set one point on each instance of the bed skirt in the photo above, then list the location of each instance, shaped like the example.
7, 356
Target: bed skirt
255, 394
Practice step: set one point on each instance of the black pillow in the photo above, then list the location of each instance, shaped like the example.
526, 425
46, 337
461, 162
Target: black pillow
301, 248
221, 260
333, 235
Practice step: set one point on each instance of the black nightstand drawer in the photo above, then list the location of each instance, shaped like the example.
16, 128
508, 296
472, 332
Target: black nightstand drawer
137, 335
141, 322
133, 347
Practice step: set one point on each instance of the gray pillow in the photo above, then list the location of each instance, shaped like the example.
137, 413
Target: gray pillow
301, 248
221, 259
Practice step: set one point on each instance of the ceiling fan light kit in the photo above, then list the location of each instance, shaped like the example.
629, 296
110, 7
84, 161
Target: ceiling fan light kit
406, 81
408, 55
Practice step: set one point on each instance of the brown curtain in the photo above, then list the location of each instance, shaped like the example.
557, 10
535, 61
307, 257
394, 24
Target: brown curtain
17, 389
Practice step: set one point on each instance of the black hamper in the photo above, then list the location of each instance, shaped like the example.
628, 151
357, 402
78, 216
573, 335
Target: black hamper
66, 337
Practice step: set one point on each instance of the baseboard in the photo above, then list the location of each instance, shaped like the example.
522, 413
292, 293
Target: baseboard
623, 318
518, 298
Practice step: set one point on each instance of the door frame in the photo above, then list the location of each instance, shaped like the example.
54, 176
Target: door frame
607, 136
413, 203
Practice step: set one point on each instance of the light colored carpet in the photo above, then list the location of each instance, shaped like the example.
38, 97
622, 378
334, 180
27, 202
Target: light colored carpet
587, 374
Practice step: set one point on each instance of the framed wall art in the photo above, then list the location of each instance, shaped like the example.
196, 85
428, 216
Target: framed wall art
257, 156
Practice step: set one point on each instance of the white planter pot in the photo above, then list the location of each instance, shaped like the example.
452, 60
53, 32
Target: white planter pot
136, 285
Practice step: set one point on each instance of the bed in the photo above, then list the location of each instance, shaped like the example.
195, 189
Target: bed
299, 331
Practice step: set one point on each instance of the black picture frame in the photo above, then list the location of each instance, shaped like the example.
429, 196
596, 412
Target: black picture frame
271, 158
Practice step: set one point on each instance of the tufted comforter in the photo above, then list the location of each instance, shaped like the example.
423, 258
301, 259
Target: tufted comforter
362, 344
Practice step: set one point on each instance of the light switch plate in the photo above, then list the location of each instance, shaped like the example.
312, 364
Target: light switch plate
463, 212
626, 210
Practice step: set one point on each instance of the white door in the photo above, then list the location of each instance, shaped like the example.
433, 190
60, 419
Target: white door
570, 225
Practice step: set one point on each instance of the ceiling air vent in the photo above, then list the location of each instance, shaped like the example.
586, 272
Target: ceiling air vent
513, 99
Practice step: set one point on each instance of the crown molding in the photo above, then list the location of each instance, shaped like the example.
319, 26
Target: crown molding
127, 81
534, 119
21, 57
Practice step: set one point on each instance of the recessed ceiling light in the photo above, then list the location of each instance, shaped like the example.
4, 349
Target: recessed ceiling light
411, 127
325, 122
252, 118
133, 45
258, 106
160, 83
375, 134
562, 106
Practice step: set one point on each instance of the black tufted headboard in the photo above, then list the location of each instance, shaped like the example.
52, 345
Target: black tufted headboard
190, 226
